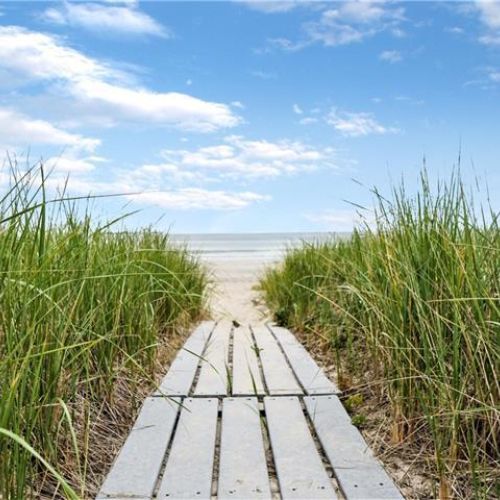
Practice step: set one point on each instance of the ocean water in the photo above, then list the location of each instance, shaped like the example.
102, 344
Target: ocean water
264, 247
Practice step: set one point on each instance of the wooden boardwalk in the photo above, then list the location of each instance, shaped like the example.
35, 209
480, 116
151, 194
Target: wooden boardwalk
245, 413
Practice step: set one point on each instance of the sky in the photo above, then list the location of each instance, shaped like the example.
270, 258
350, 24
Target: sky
215, 117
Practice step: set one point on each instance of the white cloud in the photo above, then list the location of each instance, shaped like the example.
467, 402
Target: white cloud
237, 104
308, 120
297, 109
199, 199
120, 19
489, 14
146, 186
17, 129
356, 124
489, 11
456, 30
341, 220
71, 163
391, 56
409, 100
181, 110
490, 39
238, 158
271, 7
343, 23
263, 75
40, 56
494, 76
357, 12
353, 21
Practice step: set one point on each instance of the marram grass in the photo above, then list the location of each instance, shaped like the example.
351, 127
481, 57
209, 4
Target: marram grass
416, 300
79, 304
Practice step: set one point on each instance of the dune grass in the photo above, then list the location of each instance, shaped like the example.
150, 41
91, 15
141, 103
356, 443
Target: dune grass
80, 307
414, 302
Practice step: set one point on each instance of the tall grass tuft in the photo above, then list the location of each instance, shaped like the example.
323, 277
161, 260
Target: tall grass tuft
80, 305
416, 301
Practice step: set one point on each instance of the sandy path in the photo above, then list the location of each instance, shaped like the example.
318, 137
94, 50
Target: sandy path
234, 296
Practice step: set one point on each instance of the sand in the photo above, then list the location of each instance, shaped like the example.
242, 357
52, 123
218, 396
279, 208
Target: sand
234, 296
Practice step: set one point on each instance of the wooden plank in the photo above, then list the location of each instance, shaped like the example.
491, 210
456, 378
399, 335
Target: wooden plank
358, 472
331, 405
213, 379
188, 473
299, 467
247, 380
242, 467
310, 375
179, 379
137, 466
277, 374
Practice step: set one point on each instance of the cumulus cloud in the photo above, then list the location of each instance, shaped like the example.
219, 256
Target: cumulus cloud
356, 124
70, 162
263, 75
297, 109
391, 56
17, 129
343, 23
341, 219
98, 17
489, 15
180, 198
308, 120
196, 198
494, 76
238, 157
271, 7
39, 56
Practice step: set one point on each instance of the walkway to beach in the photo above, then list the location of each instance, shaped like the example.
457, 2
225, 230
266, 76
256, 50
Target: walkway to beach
245, 412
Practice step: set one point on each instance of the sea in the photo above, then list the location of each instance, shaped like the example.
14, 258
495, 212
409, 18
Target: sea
263, 247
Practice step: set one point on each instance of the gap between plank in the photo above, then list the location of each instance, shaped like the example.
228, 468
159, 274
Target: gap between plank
321, 451
169, 447
200, 359
272, 474
259, 363
287, 361
217, 448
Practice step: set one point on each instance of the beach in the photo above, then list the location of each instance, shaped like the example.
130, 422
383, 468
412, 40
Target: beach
236, 262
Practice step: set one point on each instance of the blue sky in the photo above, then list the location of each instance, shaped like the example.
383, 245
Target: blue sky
249, 116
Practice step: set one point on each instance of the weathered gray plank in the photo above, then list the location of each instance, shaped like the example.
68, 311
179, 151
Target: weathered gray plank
277, 374
188, 473
180, 376
136, 468
358, 472
247, 380
311, 376
213, 379
299, 467
242, 466
329, 405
